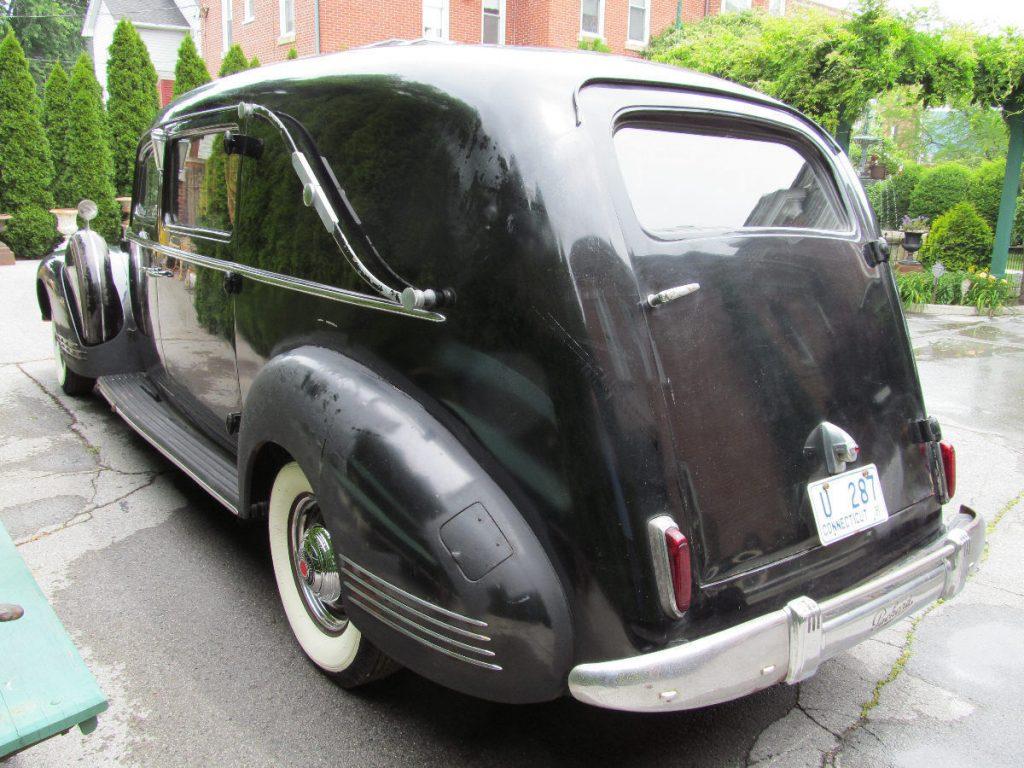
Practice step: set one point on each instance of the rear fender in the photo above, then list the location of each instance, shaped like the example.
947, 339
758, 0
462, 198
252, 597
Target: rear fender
82, 288
439, 568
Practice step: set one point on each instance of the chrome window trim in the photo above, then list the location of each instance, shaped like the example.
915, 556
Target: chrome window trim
628, 115
216, 235
291, 283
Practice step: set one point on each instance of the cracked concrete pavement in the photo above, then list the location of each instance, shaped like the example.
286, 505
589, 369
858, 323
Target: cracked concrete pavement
174, 607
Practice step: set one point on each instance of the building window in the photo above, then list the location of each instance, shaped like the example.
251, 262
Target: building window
592, 18
435, 19
777, 7
225, 23
493, 22
734, 6
250, 10
639, 21
287, 17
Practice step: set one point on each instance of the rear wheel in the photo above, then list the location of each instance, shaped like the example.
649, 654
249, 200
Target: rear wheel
309, 583
70, 382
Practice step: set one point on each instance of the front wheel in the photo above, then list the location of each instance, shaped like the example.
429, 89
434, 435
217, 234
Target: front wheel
309, 583
70, 382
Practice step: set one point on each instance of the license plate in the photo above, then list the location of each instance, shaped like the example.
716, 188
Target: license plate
847, 503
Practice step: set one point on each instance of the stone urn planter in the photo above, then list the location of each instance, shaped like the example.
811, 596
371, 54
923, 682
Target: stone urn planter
67, 220
912, 240
6, 254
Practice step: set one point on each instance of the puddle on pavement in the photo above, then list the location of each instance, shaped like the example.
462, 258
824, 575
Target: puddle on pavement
986, 332
953, 349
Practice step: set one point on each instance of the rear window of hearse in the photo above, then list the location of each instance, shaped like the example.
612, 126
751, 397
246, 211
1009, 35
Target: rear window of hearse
680, 180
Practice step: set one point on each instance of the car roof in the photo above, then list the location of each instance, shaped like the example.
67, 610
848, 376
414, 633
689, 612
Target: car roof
441, 64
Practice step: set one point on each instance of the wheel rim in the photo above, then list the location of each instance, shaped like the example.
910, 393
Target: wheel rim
313, 566
58, 359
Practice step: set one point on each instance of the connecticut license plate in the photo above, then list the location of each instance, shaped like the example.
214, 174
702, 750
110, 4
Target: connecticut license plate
847, 503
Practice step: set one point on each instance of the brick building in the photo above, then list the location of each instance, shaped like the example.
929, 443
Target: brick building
270, 28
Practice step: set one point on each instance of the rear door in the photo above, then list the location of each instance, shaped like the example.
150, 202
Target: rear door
791, 327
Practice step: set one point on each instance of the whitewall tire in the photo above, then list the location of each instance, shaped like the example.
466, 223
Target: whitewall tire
70, 382
327, 637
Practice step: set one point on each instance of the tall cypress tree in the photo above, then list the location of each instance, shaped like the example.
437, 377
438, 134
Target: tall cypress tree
234, 61
90, 167
26, 170
190, 70
56, 120
132, 100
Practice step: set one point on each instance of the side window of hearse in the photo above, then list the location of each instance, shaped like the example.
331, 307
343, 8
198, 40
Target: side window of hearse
706, 178
148, 205
205, 182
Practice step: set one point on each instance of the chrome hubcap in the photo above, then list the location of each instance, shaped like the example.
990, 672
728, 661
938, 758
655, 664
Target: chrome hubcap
315, 566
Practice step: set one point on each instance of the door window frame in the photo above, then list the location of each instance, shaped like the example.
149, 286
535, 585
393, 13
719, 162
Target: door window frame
171, 188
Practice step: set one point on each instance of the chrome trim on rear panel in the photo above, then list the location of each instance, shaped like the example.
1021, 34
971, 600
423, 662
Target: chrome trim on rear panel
788, 644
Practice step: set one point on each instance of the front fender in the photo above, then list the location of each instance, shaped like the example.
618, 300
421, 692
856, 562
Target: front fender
89, 307
439, 568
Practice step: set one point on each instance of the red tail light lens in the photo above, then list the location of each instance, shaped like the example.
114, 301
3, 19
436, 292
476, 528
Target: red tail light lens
949, 466
679, 563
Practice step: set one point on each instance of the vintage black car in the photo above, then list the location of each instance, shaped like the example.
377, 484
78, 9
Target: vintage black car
549, 372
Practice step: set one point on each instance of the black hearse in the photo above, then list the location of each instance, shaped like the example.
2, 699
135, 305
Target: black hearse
549, 372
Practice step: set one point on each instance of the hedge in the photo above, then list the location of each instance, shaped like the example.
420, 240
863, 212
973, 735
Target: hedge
939, 189
234, 61
987, 189
132, 100
959, 238
190, 70
26, 170
90, 167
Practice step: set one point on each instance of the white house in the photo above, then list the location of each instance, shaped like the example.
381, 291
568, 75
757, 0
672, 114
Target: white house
162, 24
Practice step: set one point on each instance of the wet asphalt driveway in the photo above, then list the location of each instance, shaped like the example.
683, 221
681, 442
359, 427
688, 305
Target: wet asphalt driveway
174, 607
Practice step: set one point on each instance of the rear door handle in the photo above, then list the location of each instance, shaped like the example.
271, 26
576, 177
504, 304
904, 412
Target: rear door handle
671, 294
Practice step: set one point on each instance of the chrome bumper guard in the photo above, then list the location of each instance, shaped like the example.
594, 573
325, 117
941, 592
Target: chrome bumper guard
787, 644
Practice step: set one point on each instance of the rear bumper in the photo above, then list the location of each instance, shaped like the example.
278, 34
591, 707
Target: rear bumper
787, 644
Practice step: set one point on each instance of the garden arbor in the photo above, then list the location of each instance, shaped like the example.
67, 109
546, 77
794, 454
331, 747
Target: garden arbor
831, 67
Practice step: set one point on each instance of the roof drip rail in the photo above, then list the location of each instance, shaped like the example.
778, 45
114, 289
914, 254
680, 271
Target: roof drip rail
314, 196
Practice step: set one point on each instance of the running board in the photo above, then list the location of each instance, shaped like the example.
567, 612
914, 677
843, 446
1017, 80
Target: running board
133, 397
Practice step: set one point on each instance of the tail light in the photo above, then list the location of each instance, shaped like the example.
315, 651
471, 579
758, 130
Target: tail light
670, 552
949, 467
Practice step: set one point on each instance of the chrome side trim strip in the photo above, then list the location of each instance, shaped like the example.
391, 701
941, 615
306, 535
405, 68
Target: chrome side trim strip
356, 593
163, 451
419, 601
436, 622
423, 641
291, 283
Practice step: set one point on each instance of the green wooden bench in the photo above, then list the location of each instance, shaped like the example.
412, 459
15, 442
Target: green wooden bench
45, 687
